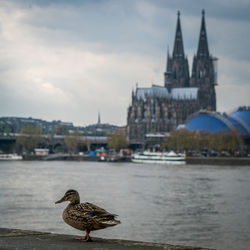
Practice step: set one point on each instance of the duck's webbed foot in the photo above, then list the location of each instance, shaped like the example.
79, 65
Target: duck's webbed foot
86, 238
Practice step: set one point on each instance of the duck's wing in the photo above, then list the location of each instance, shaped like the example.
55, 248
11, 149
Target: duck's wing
87, 215
78, 219
93, 210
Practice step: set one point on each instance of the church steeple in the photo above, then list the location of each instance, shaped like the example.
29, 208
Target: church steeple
177, 70
203, 71
178, 43
203, 44
99, 119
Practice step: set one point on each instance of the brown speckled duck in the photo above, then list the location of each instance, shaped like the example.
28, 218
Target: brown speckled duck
85, 216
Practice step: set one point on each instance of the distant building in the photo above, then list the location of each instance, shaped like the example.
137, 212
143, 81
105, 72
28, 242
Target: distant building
160, 109
11, 125
41, 151
99, 128
214, 122
16, 124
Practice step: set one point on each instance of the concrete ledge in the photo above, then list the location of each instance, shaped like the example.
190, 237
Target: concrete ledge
25, 239
228, 161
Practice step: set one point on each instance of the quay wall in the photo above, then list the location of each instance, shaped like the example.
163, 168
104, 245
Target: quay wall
26, 239
231, 161
68, 157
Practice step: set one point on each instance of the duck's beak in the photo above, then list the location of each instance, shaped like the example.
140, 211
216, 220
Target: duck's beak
61, 200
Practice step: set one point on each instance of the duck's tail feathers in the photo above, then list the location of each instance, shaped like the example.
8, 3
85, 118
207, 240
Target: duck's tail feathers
110, 223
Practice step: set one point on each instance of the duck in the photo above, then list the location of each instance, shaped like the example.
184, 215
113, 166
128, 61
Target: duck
85, 216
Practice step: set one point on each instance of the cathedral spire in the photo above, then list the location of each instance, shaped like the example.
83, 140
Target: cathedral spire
178, 44
203, 44
177, 70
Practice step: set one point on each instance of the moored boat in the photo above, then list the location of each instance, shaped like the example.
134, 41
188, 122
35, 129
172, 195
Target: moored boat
10, 157
158, 157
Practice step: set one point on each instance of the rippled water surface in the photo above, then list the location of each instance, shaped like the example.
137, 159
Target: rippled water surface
206, 206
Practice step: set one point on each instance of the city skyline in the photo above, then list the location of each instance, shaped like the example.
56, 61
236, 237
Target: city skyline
69, 61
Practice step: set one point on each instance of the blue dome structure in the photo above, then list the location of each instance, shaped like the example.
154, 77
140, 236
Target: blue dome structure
216, 123
242, 116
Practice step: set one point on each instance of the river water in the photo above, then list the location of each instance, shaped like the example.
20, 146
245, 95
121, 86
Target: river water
206, 206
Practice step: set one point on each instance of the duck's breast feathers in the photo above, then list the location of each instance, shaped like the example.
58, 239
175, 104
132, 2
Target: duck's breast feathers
93, 210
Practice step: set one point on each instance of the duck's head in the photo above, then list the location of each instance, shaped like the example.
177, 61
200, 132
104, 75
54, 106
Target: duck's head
71, 195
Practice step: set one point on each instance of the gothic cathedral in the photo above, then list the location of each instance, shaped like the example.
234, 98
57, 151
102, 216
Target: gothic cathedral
160, 109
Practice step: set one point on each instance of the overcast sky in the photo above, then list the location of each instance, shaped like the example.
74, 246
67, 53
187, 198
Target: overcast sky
68, 60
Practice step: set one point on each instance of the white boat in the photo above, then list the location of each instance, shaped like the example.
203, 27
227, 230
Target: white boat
10, 157
158, 157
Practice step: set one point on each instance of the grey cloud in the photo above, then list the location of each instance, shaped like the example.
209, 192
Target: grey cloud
84, 55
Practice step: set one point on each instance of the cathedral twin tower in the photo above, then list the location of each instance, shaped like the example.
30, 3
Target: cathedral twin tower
203, 70
160, 109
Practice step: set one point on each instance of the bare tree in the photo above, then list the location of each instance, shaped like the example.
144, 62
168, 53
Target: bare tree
29, 138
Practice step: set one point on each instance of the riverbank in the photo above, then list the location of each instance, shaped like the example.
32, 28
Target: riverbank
76, 157
25, 239
231, 161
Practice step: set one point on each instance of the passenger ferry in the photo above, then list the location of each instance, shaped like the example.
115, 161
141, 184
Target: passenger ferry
158, 157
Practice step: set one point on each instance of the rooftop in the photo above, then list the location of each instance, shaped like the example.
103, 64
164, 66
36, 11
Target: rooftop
162, 92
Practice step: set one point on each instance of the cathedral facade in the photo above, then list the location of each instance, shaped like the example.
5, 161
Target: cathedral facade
160, 109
